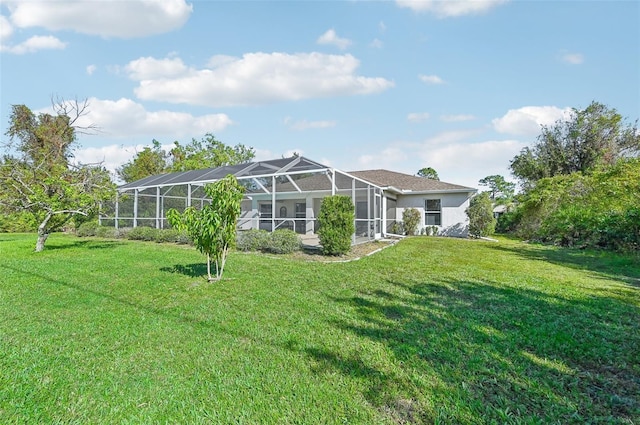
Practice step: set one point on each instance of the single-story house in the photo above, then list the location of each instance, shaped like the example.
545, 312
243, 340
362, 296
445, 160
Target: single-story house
288, 192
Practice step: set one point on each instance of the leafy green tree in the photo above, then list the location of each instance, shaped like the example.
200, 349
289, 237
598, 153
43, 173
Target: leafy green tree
336, 224
207, 153
428, 173
40, 179
197, 155
152, 160
213, 228
410, 220
499, 188
480, 213
596, 135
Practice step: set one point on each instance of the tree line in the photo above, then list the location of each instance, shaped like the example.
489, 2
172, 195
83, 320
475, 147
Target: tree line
198, 154
580, 185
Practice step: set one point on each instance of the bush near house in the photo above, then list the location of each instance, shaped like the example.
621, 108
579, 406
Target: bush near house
282, 241
92, 228
252, 240
480, 213
336, 222
410, 221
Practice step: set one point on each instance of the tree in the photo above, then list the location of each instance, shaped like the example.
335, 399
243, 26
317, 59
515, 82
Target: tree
428, 173
207, 153
591, 137
213, 228
499, 188
480, 213
41, 179
197, 155
336, 224
152, 160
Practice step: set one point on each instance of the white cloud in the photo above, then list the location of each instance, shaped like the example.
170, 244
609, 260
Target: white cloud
466, 163
455, 159
527, 121
431, 79
35, 43
256, 78
266, 154
330, 37
112, 156
382, 27
6, 29
383, 159
416, 117
450, 8
123, 19
125, 118
376, 43
305, 124
91, 69
573, 58
149, 68
457, 118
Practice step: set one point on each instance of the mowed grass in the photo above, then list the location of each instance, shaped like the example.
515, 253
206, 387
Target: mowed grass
431, 330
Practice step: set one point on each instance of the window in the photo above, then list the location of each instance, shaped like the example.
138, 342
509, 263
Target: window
432, 212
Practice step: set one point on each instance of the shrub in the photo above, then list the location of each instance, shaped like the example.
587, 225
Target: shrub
396, 228
336, 221
410, 220
170, 235
106, 232
283, 241
622, 231
480, 213
142, 234
597, 210
429, 231
508, 221
88, 228
252, 240
123, 232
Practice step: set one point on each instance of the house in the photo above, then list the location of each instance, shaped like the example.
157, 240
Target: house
288, 192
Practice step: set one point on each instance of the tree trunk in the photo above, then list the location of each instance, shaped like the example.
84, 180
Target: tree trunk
209, 268
43, 233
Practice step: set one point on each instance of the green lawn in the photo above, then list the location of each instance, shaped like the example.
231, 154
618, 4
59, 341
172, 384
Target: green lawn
429, 331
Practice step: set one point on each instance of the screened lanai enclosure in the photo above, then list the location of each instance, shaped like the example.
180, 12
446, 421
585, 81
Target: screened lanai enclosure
279, 194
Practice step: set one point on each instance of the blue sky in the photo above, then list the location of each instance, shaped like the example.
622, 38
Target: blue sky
460, 86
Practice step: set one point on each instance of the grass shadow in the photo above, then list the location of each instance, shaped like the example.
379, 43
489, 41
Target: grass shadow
622, 267
502, 354
83, 244
191, 270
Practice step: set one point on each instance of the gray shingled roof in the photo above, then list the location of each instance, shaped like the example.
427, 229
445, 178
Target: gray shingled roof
406, 182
